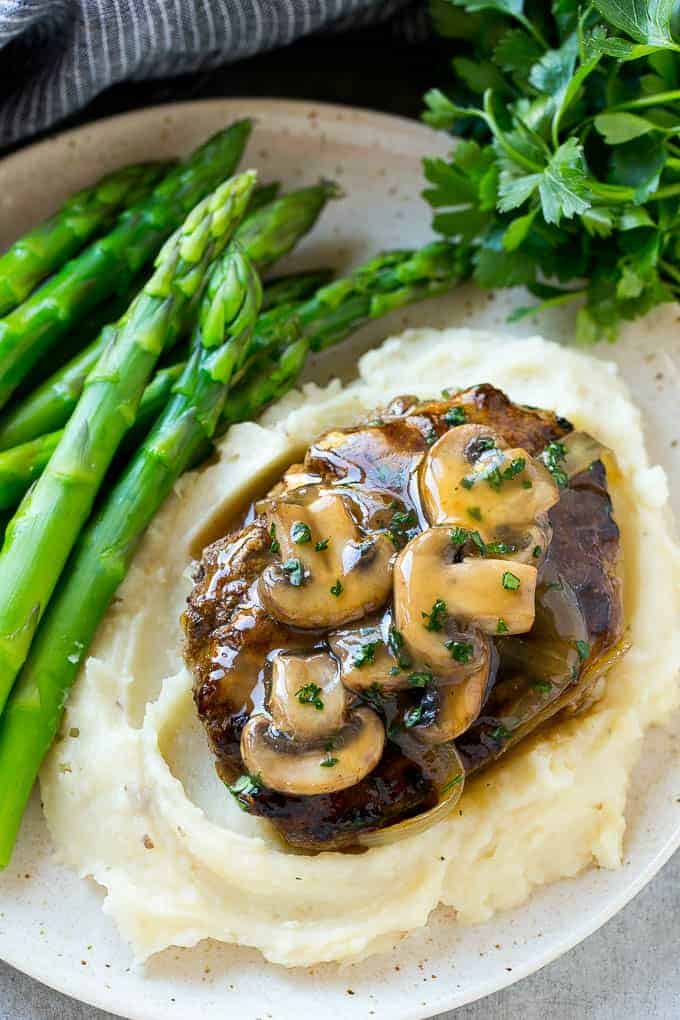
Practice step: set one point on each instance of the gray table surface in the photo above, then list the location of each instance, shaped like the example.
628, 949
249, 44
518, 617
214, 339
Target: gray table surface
628, 970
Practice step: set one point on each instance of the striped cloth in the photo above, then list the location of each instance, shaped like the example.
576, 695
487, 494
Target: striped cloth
56, 55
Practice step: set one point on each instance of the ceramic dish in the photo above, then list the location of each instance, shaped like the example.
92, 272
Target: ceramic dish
51, 922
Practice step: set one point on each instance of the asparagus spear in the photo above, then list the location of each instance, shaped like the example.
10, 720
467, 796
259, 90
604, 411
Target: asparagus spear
43, 250
294, 287
390, 280
21, 465
109, 264
103, 553
44, 529
266, 235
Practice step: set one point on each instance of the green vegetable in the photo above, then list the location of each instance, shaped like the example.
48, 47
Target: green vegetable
461, 651
274, 545
434, 620
45, 248
568, 176
266, 235
321, 545
309, 695
337, 589
109, 264
295, 571
455, 416
44, 529
420, 679
301, 533
32, 715
365, 655
21, 465
510, 581
104, 550
295, 287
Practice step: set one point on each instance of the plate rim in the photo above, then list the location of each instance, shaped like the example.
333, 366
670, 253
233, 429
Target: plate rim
409, 130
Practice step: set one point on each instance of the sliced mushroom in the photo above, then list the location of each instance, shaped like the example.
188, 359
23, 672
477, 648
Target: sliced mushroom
312, 742
307, 700
458, 705
495, 596
330, 572
471, 478
523, 544
366, 660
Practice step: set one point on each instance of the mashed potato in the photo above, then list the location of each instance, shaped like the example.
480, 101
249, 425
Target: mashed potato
130, 792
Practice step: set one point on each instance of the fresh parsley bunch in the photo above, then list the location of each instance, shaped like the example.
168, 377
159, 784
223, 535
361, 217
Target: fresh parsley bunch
567, 178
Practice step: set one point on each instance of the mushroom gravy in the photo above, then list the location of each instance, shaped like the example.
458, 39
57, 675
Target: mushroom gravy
424, 590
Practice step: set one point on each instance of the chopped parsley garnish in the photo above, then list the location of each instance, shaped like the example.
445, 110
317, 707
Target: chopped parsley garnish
365, 654
554, 586
510, 581
552, 457
420, 679
459, 535
478, 541
402, 526
295, 572
544, 686
395, 642
500, 733
500, 549
337, 589
461, 651
434, 620
274, 545
455, 415
467, 482
329, 762
475, 513
245, 786
431, 435
483, 444
301, 533
322, 544
413, 716
310, 695
527, 484
374, 694
583, 649
537, 551
497, 476
501, 626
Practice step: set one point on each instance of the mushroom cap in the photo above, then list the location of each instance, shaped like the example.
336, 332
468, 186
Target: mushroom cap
306, 700
345, 579
470, 474
479, 592
282, 766
365, 659
458, 707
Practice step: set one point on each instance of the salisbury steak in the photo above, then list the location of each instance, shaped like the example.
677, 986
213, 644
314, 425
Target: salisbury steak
418, 595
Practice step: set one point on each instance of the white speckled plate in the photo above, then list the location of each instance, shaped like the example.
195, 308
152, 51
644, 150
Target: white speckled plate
51, 922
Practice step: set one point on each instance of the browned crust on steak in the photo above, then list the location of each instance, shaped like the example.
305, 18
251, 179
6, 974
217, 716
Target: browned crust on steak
224, 623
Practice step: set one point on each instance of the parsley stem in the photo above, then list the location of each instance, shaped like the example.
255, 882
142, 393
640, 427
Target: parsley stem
532, 30
670, 269
667, 192
514, 154
642, 101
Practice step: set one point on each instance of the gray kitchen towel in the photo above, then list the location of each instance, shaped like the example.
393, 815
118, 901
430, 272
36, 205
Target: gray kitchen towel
56, 55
